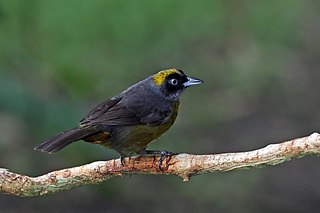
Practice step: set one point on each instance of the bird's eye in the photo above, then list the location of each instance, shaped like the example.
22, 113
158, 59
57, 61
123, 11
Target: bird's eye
174, 81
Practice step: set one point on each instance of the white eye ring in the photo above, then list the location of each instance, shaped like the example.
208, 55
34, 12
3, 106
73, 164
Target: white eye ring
174, 81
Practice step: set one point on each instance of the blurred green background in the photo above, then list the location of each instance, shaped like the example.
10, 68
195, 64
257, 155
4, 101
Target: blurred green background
261, 64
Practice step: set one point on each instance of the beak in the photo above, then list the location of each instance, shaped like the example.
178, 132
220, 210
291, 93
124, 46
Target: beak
192, 81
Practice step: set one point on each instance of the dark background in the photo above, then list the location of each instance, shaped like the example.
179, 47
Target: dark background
259, 59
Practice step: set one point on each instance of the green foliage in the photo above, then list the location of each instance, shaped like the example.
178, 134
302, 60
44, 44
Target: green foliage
259, 60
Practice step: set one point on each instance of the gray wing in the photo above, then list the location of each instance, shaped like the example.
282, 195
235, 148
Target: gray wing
117, 112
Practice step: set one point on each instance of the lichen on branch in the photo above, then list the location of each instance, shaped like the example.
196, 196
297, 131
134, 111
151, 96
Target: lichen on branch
183, 165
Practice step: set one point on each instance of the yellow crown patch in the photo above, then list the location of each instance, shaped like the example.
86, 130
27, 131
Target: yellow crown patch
162, 75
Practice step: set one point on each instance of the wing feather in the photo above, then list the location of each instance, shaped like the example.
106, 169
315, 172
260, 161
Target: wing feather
117, 112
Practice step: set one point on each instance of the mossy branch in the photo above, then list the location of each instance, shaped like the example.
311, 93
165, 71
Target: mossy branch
183, 165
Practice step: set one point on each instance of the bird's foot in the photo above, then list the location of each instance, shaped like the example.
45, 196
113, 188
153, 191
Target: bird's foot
163, 154
122, 159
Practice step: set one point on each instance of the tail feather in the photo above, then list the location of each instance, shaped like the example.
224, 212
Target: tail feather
61, 140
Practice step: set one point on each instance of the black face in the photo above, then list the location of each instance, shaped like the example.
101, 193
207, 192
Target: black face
175, 82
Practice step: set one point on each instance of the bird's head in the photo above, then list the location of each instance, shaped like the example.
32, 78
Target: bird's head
173, 81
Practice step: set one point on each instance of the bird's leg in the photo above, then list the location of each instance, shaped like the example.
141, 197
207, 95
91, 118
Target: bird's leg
163, 154
122, 160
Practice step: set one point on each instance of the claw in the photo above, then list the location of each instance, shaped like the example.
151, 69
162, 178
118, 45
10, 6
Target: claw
163, 155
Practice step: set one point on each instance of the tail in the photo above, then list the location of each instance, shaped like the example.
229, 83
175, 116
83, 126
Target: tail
63, 139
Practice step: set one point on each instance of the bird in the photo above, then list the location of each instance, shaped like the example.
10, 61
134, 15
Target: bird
131, 120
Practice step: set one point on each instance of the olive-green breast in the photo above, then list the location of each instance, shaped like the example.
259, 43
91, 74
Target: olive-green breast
129, 140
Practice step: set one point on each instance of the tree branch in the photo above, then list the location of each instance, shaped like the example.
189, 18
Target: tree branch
183, 165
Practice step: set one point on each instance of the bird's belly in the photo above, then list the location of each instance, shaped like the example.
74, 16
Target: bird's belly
128, 140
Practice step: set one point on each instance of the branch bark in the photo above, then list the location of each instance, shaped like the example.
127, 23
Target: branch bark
183, 165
